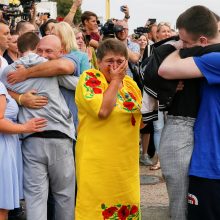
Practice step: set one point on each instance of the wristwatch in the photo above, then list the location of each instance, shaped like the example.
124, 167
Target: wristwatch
127, 16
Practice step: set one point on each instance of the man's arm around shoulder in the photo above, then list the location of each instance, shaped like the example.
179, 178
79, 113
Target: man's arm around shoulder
173, 67
61, 66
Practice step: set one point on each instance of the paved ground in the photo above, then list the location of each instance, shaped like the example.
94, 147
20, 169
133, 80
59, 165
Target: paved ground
154, 198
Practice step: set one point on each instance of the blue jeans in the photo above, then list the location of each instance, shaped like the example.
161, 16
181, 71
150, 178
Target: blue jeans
158, 127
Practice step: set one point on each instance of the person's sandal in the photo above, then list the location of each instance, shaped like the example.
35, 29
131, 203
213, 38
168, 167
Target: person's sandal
155, 166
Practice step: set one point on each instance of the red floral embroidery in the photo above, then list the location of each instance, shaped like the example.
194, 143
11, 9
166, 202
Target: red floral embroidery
109, 212
132, 96
91, 74
120, 212
97, 90
123, 212
133, 210
93, 82
128, 105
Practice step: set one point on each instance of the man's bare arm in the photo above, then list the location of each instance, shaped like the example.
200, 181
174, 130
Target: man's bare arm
71, 14
173, 67
126, 12
50, 68
33, 15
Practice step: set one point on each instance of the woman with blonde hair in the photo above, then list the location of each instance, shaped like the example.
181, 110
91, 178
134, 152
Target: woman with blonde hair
83, 44
163, 31
68, 40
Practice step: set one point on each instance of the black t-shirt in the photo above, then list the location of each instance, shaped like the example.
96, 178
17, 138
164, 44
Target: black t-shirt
8, 58
186, 102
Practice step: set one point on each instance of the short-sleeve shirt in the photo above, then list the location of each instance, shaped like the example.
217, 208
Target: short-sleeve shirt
205, 161
134, 47
3, 64
68, 94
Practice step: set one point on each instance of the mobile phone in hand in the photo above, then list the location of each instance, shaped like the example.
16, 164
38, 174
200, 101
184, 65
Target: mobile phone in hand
122, 8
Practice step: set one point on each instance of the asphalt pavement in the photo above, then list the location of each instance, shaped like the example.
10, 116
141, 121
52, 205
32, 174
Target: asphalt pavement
154, 198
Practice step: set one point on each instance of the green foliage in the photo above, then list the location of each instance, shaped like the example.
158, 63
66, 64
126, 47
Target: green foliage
63, 7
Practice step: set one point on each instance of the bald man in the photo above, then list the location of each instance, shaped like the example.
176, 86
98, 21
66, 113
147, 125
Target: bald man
48, 156
67, 64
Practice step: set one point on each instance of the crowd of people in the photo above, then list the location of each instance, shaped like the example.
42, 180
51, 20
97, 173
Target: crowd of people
81, 109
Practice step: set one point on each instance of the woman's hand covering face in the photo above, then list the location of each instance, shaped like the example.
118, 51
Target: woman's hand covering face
119, 72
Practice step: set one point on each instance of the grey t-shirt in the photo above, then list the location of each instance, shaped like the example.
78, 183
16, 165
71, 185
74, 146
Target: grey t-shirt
56, 111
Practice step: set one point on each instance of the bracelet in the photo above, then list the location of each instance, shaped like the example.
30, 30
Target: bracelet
73, 10
19, 99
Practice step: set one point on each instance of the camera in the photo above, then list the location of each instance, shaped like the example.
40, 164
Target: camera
151, 21
109, 29
9, 11
12, 11
139, 31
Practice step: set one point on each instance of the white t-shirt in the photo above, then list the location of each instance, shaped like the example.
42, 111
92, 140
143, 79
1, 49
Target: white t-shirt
3, 64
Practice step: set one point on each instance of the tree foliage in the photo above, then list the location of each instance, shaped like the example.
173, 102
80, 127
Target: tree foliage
63, 7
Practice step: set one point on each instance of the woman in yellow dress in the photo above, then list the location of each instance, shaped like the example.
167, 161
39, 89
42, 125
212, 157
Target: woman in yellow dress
107, 149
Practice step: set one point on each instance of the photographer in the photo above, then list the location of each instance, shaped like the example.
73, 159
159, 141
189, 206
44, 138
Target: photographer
12, 13
133, 48
140, 36
110, 29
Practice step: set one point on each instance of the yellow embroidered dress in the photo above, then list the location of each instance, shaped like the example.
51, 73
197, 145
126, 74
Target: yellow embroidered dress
107, 151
